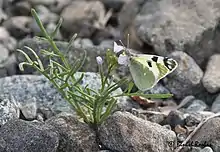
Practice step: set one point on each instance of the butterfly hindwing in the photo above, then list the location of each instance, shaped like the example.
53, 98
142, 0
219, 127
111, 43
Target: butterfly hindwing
142, 74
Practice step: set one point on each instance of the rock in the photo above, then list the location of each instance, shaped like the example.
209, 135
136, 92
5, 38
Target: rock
158, 89
209, 134
124, 132
187, 101
74, 135
116, 5
106, 44
50, 28
192, 119
20, 30
206, 149
197, 105
18, 135
216, 104
4, 53
175, 118
25, 87
189, 27
90, 64
83, 42
80, 17
10, 65
42, 2
211, 79
9, 109
6, 40
19, 8
3, 16
59, 5
46, 17
186, 79
29, 108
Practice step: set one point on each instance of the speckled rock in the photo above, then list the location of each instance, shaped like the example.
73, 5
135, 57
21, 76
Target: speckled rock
6, 40
76, 52
170, 25
74, 135
211, 79
80, 17
4, 53
124, 132
18, 135
209, 134
20, 30
197, 105
186, 79
216, 104
9, 109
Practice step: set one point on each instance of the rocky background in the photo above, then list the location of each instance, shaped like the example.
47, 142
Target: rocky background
35, 118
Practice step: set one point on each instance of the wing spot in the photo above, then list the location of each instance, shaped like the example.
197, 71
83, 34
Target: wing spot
169, 63
149, 64
154, 58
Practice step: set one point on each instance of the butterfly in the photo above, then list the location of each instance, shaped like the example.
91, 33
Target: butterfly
146, 70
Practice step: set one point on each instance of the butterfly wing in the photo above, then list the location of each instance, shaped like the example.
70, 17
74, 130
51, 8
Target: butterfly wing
147, 70
144, 78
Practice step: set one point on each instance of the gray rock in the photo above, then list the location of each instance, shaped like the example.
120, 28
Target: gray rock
50, 28
4, 53
197, 105
10, 65
187, 101
209, 134
83, 42
106, 43
124, 132
59, 5
116, 5
5, 39
25, 87
46, 17
216, 104
18, 135
76, 51
29, 108
80, 17
9, 109
175, 118
18, 30
158, 89
3, 16
42, 2
192, 119
206, 149
211, 79
74, 135
186, 79
190, 27
18, 8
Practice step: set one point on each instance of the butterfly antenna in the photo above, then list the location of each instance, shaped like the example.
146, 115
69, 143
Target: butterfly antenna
128, 37
126, 49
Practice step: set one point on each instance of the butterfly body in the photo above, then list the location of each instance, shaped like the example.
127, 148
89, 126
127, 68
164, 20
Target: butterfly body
147, 70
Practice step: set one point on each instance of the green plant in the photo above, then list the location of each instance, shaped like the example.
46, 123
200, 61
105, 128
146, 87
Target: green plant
93, 106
